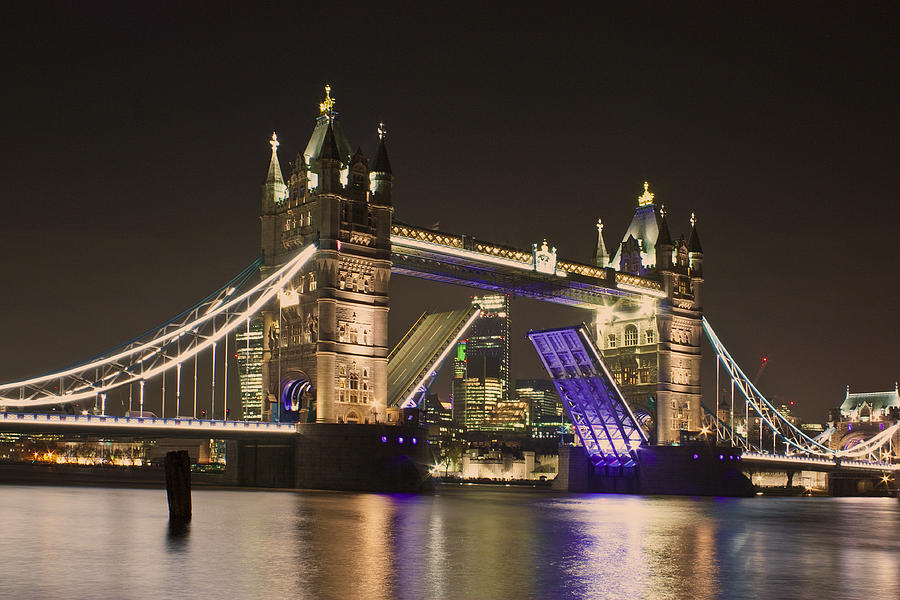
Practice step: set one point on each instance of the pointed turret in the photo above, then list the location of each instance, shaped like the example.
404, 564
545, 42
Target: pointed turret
274, 190
664, 243
695, 250
601, 257
329, 163
274, 175
382, 162
382, 177
694, 245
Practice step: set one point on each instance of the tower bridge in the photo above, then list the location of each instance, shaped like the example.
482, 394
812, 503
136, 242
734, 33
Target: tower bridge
311, 316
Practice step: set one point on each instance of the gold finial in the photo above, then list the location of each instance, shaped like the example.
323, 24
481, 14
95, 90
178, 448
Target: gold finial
382, 131
274, 142
693, 220
600, 225
326, 106
647, 197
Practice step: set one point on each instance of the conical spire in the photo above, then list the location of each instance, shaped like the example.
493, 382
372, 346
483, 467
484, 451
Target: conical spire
665, 237
329, 149
274, 175
694, 243
601, 256
382, 163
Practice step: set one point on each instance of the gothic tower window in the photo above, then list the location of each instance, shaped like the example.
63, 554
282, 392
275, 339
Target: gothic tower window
354, 386
650, 336
631, 335
611, 340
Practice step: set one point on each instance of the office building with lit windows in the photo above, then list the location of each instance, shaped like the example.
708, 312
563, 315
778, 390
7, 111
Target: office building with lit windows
486, 359
546, 414
248, 344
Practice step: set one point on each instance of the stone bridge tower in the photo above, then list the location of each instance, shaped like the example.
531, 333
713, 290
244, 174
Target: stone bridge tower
653, 346
325, 345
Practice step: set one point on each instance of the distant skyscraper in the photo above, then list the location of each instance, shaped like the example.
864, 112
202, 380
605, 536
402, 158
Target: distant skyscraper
249, 350
438, 418
486, 361
458, 385
545, 409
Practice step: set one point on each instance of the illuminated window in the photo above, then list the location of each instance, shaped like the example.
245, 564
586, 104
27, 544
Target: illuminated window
312, 282
611, 340
650, 336
631, 335
629, 376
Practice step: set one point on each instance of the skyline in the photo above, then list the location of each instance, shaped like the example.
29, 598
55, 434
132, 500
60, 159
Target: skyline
150, 172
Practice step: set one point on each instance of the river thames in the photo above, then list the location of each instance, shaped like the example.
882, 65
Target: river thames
461, 542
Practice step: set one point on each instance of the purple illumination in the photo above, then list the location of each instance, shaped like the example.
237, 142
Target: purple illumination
696, 456
384, 439
730, 457
414, 441
721, 457
739, 457
399, 440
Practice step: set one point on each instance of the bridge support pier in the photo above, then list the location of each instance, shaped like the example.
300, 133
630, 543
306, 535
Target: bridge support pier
666, 470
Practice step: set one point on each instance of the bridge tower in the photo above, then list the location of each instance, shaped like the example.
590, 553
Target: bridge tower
653, 346
325, 348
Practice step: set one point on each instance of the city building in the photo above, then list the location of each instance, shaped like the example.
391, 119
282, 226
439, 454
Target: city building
486, 358
249, 351
547, 416
508, 415
653, 346
439, 419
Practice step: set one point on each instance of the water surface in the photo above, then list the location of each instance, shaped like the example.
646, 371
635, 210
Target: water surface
464, 542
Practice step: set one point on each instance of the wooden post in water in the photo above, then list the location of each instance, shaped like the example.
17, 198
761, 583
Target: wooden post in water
178, 484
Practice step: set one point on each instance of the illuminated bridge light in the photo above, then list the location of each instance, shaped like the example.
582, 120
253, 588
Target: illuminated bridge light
399, 440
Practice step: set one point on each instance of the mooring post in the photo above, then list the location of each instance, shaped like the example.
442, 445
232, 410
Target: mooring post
178, 484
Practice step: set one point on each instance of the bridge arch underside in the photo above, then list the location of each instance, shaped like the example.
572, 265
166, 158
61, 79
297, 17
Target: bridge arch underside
296, 392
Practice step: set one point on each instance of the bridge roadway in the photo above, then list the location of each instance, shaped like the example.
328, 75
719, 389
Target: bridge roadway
813, 463
138, 426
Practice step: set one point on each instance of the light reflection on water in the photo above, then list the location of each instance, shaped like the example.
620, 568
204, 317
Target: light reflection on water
470, 542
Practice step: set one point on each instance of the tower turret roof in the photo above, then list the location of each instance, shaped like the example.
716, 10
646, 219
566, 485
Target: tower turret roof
382, 163
274, 174
664, 238
694, 243
329, 149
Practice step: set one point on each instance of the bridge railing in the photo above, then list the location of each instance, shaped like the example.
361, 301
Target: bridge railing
154, 422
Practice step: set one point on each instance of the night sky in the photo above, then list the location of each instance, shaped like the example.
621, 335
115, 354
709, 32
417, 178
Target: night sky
135, 141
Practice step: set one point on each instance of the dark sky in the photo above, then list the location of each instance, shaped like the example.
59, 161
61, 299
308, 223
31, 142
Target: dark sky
135, 140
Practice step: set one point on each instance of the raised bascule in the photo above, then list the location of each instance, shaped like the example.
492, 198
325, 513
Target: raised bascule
307, 322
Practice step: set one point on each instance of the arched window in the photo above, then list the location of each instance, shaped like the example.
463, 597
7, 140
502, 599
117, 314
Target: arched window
631, 335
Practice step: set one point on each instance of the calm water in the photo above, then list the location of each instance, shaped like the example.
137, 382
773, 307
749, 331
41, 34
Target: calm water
469, 542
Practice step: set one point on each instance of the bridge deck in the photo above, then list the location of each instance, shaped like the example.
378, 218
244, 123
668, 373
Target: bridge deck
158, 426
426, 343
602, 419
